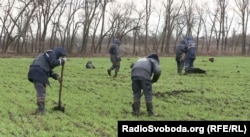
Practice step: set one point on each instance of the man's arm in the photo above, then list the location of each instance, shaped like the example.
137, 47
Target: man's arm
117, 53
156, 71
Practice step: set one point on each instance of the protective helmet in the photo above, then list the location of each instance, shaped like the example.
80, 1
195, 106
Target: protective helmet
184, 41
189, 38
154, 56
116, 41
60, 52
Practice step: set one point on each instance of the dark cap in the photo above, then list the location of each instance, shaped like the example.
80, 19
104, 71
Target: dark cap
154, 56
189, 38
116, 41
184, 41
60, 51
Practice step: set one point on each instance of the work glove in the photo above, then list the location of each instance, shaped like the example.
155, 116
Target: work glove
59, 79
155, 77
131, 65
63, 60
118, 58
152, 81
183, 56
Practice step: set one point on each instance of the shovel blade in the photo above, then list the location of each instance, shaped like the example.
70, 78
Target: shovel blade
59, 108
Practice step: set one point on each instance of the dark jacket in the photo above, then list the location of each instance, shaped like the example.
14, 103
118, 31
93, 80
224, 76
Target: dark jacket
146, 67
190, 48
114, 52
42, 66
180, 49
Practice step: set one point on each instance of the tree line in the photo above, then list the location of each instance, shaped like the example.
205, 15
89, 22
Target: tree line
88, 26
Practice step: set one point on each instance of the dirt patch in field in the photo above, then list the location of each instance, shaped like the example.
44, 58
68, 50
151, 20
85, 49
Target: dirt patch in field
171, 93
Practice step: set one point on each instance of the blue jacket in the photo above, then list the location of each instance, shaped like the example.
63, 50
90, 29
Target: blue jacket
42, 66
190, 48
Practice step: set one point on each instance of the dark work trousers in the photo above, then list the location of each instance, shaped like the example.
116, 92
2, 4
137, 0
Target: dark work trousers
139, 84
40, 91
189, 64
115, 63
180, 64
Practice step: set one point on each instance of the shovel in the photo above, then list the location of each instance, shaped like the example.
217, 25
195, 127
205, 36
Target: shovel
60, 107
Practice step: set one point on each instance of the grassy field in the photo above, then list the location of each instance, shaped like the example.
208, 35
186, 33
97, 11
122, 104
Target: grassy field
95, 102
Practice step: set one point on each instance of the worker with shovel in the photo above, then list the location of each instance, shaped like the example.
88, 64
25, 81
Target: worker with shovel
141, 73
41, 69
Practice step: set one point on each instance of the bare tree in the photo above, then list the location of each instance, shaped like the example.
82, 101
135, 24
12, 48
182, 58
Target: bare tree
172, 13
90, 9
234, 42
148, 14
213, 17
227, 29
25, 22
48, 9
99, 24
16, 23
71, 28
33, 25
179, 29
203, 25
102, 31
122, 21
6, 38
244, 12
155, 34
221, 18
200, 22
189, 15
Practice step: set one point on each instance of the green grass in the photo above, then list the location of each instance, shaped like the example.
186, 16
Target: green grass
95, 102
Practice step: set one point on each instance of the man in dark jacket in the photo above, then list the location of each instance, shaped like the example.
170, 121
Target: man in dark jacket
41, 69
115, 58
190, 54
141, 73
180, 55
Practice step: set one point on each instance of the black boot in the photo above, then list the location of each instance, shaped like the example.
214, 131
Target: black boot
115, 75
116, 70
41, 108
136, 108
109, 72
150, 109
179, 71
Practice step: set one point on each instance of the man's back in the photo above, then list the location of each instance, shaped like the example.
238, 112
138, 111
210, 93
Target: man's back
114, 49
144, 68
191, 48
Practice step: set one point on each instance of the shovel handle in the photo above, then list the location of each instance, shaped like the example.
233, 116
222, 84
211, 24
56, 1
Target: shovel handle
62, 71
60, 89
